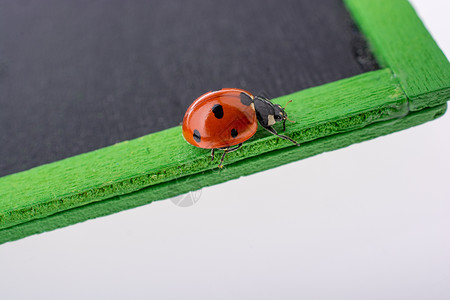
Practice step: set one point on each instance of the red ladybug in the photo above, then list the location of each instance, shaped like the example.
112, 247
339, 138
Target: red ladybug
228, 117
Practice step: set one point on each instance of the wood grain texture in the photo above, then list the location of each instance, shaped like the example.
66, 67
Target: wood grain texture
163, 165
164, 156
209, 177
401, 42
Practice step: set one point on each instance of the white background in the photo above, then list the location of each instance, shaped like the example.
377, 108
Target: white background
371, 221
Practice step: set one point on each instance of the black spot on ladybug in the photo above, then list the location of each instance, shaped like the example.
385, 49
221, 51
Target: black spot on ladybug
218, 111
234, 133
245, 99
197, 136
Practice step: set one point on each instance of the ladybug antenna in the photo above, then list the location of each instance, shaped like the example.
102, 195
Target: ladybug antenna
287, 104
286, 117
290, 120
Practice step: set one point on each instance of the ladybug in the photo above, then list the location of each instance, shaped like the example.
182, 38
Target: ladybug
226, 118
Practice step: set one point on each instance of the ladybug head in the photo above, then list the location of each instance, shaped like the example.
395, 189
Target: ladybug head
268, 113
280, 113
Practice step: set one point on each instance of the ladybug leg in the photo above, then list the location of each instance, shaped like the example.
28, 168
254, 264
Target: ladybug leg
212, 154
221, 159
284, 125
273, 131
228, 150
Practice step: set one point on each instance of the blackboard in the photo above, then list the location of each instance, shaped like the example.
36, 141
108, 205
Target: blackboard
76, 76
117, 77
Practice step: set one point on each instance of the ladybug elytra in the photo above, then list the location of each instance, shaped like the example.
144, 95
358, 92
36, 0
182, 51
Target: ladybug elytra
226, 118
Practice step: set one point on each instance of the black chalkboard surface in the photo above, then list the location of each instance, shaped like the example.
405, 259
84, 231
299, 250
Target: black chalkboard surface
80, 75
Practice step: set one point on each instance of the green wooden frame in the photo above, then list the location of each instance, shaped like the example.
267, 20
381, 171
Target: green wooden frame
412, 88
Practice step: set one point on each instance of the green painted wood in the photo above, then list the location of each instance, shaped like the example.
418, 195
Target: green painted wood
162, 165
164, 156
400, 41
209, 177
